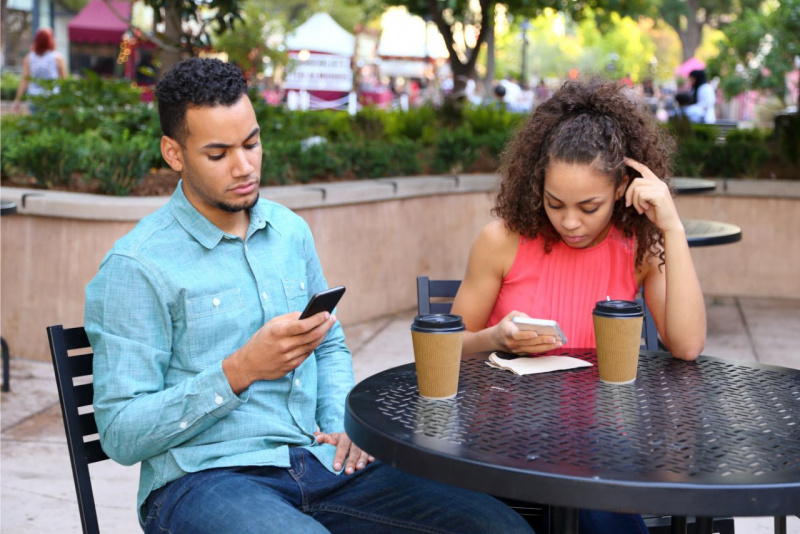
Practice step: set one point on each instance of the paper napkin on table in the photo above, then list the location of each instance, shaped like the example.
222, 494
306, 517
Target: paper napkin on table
541, 364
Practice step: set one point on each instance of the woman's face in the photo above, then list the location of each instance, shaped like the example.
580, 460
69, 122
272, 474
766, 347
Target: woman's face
579, 201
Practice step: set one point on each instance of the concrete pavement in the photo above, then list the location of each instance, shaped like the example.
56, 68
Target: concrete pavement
38, 497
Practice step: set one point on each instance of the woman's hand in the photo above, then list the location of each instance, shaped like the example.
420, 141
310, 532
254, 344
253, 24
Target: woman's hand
650, 195
507, 334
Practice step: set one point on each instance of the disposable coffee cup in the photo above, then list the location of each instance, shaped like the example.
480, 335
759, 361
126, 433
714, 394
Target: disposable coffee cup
618, 333
437, 342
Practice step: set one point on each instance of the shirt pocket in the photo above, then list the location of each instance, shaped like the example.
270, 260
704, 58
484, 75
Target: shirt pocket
212, 321
296, 292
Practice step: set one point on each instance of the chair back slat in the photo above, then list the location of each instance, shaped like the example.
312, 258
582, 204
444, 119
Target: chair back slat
83, 394
80, 365
428, 289
88, 424
72, 397
93, 452
441, 307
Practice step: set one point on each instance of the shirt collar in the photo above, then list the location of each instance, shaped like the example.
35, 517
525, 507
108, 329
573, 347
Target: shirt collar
203, 230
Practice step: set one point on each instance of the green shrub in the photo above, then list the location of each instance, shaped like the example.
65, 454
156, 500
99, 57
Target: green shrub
787, 133
736, 159
416, 124
51, 156
454, 151
118, 166
376, 159
9, 83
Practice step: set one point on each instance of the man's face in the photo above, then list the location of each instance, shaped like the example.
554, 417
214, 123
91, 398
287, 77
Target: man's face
220, 161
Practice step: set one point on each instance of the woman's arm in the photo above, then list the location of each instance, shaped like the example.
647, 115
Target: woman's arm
23, 84
672, 291
490, 259
62, 67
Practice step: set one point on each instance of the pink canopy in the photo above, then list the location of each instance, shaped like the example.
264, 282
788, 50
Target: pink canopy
96, 23
688, 66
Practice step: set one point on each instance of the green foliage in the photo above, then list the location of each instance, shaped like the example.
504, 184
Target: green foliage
120, 165
741, 155
759, 48
82, 104
454, 151
9, 83
50, 156
787, 132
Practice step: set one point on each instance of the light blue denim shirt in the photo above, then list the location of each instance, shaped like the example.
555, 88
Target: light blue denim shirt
171, 300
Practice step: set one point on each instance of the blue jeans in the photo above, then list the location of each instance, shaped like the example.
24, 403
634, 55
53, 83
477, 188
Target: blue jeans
310, 499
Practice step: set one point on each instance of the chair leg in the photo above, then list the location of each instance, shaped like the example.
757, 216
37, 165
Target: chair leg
678, 525
6, 371
563, 520
703, 525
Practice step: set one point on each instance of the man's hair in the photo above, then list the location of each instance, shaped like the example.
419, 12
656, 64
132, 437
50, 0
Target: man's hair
196, 82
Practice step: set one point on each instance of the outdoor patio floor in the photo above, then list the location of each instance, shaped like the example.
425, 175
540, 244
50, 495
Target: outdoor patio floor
38, 495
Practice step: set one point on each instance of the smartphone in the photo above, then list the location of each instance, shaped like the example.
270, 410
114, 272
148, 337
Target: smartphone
543, 327
323, 301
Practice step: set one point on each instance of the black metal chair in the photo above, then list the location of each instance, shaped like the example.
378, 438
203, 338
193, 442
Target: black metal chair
81, 429
444, 291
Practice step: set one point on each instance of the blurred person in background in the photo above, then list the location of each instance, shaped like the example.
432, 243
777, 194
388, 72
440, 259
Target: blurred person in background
703, 99
41, 63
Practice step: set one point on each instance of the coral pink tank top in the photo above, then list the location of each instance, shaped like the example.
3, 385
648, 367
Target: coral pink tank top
565, 284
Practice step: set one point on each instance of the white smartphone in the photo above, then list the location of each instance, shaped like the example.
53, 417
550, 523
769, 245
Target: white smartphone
543, 327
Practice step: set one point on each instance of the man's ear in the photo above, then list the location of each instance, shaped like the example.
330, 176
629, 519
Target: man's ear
172, 152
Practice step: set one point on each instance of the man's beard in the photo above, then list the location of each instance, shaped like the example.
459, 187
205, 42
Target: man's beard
235, 208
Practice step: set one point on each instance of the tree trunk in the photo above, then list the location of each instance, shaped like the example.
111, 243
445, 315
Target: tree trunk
461, 71
172, 37
490, 57
692, 36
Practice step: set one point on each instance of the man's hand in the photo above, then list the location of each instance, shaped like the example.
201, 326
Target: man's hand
356, 458
279, 347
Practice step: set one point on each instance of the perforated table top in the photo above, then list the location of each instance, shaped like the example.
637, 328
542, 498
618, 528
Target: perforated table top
706, 438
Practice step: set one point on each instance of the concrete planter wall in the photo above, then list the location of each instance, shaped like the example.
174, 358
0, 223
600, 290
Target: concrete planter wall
373, 236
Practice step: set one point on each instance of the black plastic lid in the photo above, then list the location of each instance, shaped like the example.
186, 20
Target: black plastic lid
618, 308
438, 323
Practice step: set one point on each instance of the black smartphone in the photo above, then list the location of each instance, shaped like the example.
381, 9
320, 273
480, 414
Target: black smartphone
323, 301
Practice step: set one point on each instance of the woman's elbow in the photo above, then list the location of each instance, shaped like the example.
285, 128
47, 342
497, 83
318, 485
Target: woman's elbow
688, 351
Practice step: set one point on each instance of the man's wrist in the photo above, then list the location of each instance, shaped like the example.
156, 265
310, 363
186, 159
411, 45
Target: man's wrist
237, 376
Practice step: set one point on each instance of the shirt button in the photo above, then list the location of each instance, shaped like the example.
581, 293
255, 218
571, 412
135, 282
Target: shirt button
264, 295
246, 249
184, 424
218, 399
302, 285
297, 382
215, 302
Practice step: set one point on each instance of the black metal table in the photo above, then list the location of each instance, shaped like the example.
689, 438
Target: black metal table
703, 233
685, 186
705, 438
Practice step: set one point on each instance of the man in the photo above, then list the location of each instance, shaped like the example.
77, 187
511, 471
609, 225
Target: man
204, 371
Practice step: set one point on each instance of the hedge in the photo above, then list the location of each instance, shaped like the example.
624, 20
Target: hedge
98, 131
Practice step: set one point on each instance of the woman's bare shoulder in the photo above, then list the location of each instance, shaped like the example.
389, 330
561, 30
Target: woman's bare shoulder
497, 245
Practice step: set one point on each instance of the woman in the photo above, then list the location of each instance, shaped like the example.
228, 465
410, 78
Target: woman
702, 109
41, 63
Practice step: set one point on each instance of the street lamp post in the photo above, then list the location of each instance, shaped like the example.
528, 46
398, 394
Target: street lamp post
523, 76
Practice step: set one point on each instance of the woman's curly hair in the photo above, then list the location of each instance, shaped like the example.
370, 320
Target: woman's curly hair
596, 123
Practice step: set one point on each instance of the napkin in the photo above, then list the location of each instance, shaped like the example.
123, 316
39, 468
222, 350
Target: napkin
541, 364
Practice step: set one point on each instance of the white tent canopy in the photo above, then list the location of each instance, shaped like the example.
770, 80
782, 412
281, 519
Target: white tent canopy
321, 33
